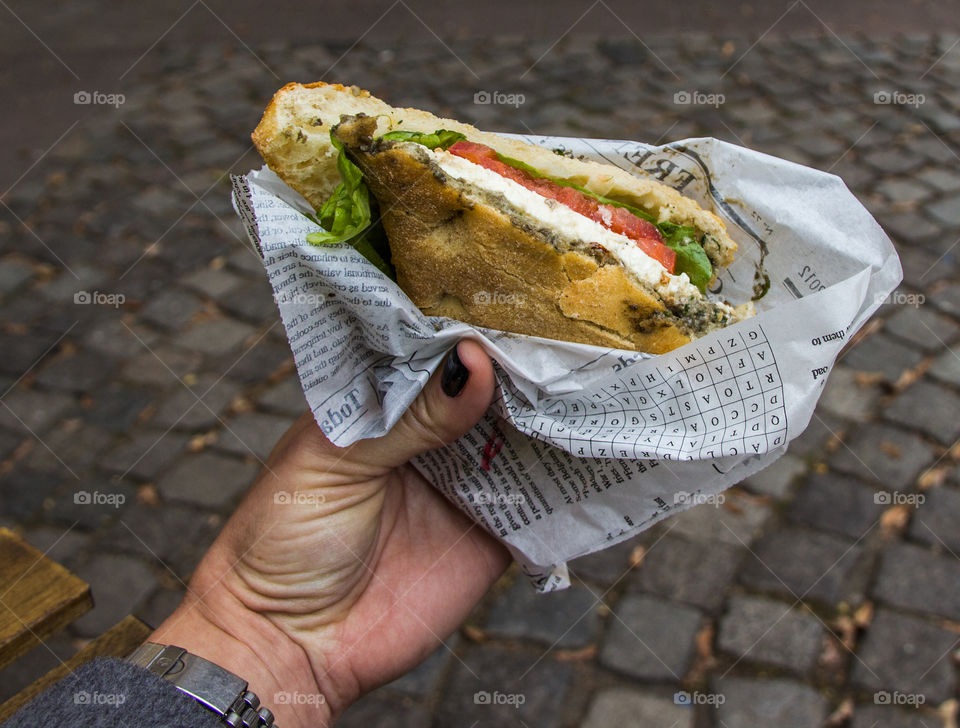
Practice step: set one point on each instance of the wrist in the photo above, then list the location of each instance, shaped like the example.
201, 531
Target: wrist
276, 669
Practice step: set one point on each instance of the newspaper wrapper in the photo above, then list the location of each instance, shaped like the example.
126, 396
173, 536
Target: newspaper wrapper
584, 446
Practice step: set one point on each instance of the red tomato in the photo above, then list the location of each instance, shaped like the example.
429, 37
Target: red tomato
617, 219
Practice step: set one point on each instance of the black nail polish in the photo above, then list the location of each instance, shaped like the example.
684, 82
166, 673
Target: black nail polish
455, 374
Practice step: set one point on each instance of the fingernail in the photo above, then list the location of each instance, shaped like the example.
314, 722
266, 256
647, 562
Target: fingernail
455, 374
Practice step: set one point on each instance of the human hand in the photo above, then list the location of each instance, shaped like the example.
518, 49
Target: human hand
356, 576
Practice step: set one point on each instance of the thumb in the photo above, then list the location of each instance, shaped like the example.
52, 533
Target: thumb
453, 401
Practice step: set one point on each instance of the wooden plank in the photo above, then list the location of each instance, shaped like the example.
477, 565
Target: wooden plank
38, 597
118, 641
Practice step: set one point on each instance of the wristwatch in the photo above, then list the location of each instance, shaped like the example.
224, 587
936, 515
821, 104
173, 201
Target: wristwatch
219, 690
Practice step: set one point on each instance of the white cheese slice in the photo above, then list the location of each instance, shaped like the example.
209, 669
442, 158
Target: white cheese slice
552, 214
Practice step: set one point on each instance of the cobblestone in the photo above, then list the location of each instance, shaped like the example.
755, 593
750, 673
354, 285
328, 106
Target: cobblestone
252, 433
146, 455
626, 707
206, 479
836, 503
912, 578
905, 654
946, 367
879, 716
286, 398
198, 405
736, 522
888, 456
687, 571
770, 632
565, 619
783, 703
804, 564
881, 354
936, 518
846, 397
922, 327
776, 480
650, 639
118, 583
929, 408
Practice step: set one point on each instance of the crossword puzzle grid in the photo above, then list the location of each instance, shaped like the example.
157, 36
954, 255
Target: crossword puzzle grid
726, 399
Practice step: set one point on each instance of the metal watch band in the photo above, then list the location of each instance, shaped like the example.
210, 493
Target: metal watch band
219, 690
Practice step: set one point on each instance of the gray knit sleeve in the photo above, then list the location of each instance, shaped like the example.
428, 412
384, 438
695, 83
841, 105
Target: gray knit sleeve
111, 693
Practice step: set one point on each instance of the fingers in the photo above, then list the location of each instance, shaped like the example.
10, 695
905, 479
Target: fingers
453, 401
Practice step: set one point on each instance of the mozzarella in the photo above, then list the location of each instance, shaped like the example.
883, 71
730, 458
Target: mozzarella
555, 215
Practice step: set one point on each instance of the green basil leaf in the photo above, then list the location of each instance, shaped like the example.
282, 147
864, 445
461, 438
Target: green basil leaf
440, 139
691, 258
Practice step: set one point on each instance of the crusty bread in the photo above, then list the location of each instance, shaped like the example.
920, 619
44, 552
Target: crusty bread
459, 256
293, 137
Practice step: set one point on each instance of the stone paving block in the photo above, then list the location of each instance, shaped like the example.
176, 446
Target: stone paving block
25, 490
9, 442
14, 273
206, 479
252, 433
117, 407
913, 578
76, 448
215, 337
807, 564
783, 703
385, 711
79, 372
35, 664
650, 639
119, 339
903, 190
946, 211
696, 573
628, 708
31, 411
935, 520
737, 522
942, 180
837, 503
146, 455
483, 685
929, 408
88, 503
610, 566
199, 405
170, 309
156, 534
908, 227
844, 396
251, 302
162, 366
820, 430
887, 456
769, 632
261, 360
892, 160
286, 398
946, 367
906, 654
776, 480
118, 583
559, 620
423, 680
885, 716
922, 268
947, 299
212, 283
63, 544
882, 354
22, 351
923, 327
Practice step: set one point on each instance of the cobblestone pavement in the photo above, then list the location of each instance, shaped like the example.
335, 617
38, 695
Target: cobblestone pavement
825, 588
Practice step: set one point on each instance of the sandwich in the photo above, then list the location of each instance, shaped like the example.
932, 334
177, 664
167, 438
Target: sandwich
497, 232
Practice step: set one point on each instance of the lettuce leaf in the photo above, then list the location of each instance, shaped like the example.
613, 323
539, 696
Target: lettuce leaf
347, 218
440, 139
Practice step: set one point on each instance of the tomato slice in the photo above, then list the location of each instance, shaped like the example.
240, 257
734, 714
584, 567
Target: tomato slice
616, 219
